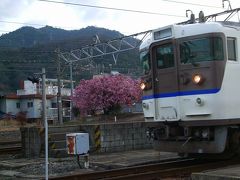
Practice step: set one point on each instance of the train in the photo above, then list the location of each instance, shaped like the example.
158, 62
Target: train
191, 87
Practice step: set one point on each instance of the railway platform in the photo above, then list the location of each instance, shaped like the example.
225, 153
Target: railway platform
229, 173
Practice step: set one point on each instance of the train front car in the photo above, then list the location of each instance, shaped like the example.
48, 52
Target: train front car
191, 88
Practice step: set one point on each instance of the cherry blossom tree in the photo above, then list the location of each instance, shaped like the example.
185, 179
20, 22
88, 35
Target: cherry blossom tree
106, 93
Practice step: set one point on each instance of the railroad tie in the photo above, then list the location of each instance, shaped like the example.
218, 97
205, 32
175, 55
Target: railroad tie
97, 138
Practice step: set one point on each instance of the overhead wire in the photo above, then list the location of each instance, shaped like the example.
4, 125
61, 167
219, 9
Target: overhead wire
34, 24
21, 23
84, 5
111, 8
194, 4
105, 7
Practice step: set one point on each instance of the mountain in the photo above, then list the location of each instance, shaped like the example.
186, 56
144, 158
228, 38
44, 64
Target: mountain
26, 37
26, 50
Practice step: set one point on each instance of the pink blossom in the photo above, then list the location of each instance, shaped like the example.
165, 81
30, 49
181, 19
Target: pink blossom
104, 93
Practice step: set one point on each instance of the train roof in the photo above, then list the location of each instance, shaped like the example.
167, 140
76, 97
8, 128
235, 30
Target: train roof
229, 23
185, 30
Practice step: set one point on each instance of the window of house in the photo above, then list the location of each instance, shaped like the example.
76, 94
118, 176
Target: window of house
30, 104
18, 105
54, 105
231, 48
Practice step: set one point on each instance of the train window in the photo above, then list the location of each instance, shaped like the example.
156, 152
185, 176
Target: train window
165, 56
204, 49
231, 48
145, 60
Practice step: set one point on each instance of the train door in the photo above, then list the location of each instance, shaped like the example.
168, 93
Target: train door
165, 81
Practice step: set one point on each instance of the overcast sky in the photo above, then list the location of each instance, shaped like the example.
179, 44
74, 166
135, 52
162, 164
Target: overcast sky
69, 17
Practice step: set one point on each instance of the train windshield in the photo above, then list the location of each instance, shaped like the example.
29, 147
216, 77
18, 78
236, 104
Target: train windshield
145, 60
199, 50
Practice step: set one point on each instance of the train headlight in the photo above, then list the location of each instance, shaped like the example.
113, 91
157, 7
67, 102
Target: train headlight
142, 85
198, 79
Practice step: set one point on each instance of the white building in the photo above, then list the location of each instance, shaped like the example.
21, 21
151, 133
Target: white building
28, 99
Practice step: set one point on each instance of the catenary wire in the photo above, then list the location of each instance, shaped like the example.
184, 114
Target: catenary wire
194, 4
111, 8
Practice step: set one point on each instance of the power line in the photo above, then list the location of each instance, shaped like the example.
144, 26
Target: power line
14, 22
111, 8
32, 24
104, 7
194, 4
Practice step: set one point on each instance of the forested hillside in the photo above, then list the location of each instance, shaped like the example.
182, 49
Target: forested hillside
26, 50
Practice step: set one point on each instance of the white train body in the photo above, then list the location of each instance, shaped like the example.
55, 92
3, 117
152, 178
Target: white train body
193, 101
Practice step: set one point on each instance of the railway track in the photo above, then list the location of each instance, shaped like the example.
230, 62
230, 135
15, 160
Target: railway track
171, 169
10, 147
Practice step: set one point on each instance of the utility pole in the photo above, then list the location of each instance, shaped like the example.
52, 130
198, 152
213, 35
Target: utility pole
59, 94
35, 79
45, 120
71, 80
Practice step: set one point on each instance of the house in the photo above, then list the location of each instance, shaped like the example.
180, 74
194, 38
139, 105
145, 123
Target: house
29, 99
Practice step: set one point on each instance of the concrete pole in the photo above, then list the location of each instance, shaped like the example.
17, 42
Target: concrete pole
59, 94
71, 80
45, 120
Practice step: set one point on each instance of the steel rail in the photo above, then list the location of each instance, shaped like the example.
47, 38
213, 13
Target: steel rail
176, 172
127, 171
9, 142
158, 170
10, 147
10, 150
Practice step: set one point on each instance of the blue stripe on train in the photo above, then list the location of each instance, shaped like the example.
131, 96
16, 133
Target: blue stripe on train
181, 93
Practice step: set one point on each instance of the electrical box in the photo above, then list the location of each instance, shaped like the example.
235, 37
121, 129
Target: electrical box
77, 143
